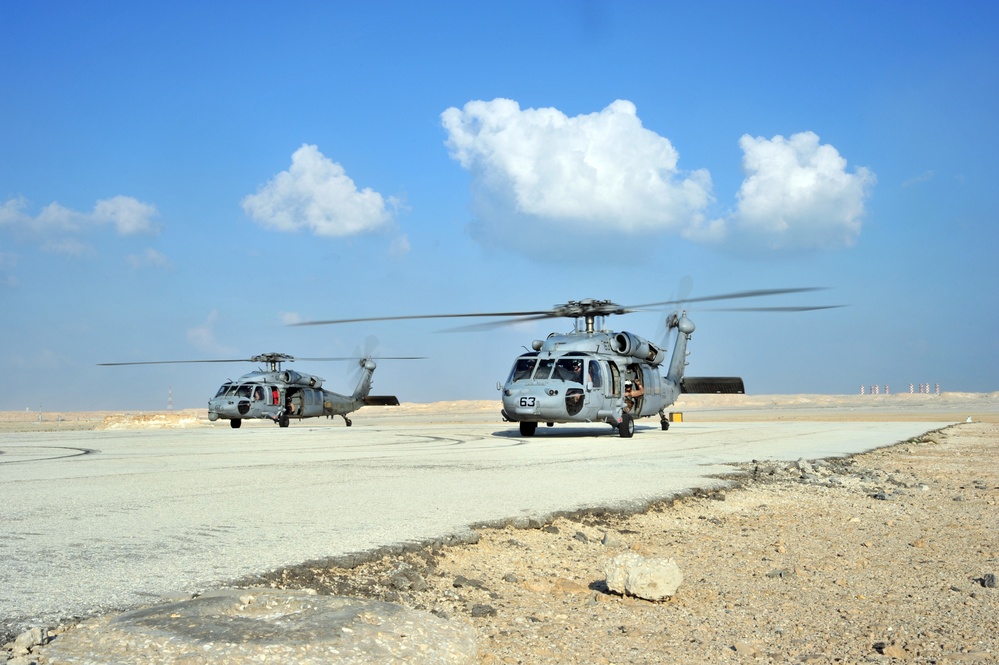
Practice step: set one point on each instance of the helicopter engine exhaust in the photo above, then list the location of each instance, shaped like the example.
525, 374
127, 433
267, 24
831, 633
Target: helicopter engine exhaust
628, 344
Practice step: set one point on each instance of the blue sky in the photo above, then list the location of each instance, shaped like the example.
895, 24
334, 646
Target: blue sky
183, 180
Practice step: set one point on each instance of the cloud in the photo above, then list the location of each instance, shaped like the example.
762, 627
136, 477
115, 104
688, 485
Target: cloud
202, 336
316, 195
290, 318
591, 173
537, 171
68, 246
919, 179
150, 258
127, 215
7, 263
798, 194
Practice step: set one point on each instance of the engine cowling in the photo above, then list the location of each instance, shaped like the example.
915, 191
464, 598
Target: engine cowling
634, 346
294, 378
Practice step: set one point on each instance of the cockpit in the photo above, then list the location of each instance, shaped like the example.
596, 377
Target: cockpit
251, 391
572, 367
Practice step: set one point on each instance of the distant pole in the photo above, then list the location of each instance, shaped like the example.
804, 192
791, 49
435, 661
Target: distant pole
938, 389
887, 390
861, 390
169, 398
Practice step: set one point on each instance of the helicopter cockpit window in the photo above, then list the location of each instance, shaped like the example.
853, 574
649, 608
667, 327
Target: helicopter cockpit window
523, 368
243, 391
258, 393
594, 374
569, 369
544, 370
222, 391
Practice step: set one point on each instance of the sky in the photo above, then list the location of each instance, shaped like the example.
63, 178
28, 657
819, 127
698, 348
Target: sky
183, 181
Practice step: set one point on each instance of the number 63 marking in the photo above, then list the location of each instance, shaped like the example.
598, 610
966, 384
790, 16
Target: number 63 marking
527, 401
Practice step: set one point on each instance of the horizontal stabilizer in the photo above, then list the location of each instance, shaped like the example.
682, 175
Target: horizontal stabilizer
381, 400
723, 385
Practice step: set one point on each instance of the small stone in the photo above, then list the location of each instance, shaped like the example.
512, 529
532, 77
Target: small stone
479, 611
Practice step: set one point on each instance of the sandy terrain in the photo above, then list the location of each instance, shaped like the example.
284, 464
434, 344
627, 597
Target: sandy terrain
886, 556
882, 557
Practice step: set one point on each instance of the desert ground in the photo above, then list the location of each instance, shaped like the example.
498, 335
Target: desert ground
886, 556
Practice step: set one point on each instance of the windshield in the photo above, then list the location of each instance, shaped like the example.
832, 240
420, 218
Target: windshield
523, 368
544, 370
569, 369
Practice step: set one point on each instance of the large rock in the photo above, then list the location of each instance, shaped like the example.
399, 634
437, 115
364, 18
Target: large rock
651, 578
236, 626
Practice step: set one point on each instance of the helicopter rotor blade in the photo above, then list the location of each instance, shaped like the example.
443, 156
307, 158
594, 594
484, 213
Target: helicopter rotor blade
790, 308
491, 325
175, 362
571, 309
732, 296
419, 316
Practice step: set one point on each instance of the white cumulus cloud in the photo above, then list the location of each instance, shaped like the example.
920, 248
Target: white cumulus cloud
592, 173
798, 194
316, 194
127, 215
537, 171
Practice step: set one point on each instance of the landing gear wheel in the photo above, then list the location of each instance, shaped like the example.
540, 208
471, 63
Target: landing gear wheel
235, 423
528, 429
283, 420
665, 424
348, 421
626, 428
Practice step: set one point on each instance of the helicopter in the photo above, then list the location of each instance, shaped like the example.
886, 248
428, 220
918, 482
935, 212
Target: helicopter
592, 374
282, 394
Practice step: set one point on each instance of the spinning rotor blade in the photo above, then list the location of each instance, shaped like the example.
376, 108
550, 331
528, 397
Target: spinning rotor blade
791, 308
361, 357
417, 316
266, 358
732, 296
573, 309
491, 325
175, 362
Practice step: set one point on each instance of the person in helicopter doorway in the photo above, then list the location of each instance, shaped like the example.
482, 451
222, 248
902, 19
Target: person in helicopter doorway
632, 390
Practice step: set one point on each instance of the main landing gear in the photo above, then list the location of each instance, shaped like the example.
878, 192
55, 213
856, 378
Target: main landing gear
626, 428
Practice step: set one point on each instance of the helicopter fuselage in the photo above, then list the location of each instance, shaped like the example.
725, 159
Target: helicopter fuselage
581, 376
280, 395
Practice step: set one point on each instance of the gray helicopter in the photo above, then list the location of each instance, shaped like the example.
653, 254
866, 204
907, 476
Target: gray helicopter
592, 374
282, 394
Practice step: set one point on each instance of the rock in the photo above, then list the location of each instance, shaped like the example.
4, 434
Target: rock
989, 581
24, 642
610, 540
746, 649
650, 578
479, 611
